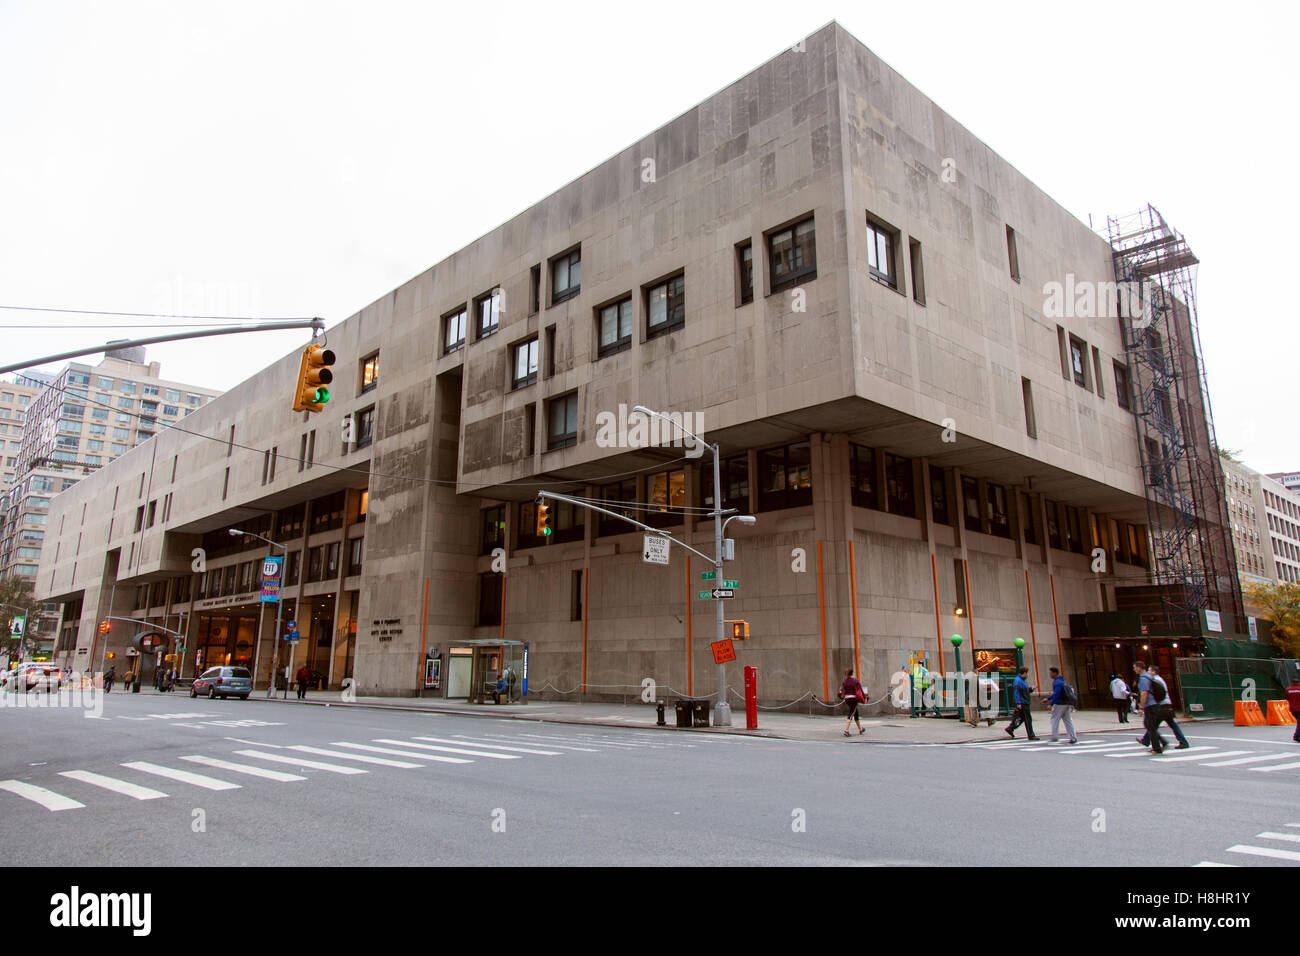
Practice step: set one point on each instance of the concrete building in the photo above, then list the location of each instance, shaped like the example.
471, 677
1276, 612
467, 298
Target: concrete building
15, 399
842, 285
1250, 532
1288, 479
84, 418
1281, 511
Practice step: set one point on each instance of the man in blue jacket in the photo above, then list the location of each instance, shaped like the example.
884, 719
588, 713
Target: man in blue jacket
1022, 692
1060, 702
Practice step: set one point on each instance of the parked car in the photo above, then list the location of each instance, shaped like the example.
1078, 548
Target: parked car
223, 682
29, 677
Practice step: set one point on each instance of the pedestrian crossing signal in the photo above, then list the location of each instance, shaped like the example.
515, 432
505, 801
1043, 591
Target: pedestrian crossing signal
313, 375
543, 520
739, 630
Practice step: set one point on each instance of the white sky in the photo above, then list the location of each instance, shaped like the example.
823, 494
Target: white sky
297, 159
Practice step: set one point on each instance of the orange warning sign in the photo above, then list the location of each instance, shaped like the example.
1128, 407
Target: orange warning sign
723, 651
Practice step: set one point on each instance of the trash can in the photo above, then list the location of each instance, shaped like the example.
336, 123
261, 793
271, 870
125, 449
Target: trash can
700, 712
683, 708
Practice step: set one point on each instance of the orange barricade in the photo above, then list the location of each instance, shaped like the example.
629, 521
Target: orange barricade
1246, 713
1279, 713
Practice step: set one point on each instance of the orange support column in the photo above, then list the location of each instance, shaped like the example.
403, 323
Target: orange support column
1057, 618
689, 692
1033, 637
586, 573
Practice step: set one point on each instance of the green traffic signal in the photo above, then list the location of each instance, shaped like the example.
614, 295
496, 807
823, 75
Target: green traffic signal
322, 396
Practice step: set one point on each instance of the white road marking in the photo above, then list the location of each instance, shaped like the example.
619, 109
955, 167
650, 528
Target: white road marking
547, 743
300, 762
472, 742
244, 768
46, 798
112, 783
381, 761
1277, 766
1265, 851
1241, 760
1209, 863
1269, 835
1207, 756
255, 743
1096, 748
401, 753
183, 776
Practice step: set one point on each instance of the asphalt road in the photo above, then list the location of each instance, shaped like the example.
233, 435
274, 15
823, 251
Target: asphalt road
533, 793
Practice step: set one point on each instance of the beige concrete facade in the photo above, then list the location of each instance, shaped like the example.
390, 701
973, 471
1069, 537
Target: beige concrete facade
912, 362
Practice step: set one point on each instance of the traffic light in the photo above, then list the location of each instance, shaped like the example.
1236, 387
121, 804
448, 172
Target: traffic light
313, 375
739, 630
543, 519
105, 627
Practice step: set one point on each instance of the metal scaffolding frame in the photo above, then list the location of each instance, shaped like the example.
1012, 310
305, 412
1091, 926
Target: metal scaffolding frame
1192, 554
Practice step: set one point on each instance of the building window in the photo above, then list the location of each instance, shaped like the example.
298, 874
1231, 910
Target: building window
900, 486
666, 495
1027, 393
734, 474
575, 596
534, 289
745, 273
610, 496
862, 476
489, 599
1013, 256
1053, 524
665, 306
369, 373
615, 327
792, 255
1096, 368
999, 520
315, 564
970, 495
487, 310
1030, 519
453, 331
1078, 368
785, 477
493, 531
566, 524
1073, 531
525, 364
881, 264
356, 552
550, 351
365, 427
918, 272
939, 496
291, 562
562, 422
566, 276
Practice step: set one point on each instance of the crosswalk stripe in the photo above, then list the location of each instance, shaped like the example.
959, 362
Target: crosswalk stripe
1140, 752
46, 798
400, 753
1097, 748
450, 750
1269, 835
589, 750
1277, 766
577, 739
183, 776
621, 741
244, 768
474, 742
381, 761
1265, 851
1207, 755
1209, 863
1242, 760
300, 762
112, 783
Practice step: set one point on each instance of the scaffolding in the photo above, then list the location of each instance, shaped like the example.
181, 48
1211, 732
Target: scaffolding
1192, 557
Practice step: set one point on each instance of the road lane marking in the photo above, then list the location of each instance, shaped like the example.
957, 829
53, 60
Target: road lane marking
1097, 748
1209, 863
1207, 756
1277, 766
381, 761
401, 753
46, 798
474, 742
589, 750
1241, 760
586, 740
1265, 851
112, 783
184, 776
244, 768
1269, 835
300, 762
1141, 752
255, 743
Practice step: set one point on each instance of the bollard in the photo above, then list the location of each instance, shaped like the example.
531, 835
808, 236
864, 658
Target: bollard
659, 710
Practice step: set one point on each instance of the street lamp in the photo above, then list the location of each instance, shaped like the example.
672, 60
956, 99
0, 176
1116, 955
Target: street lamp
279, 607
722, 712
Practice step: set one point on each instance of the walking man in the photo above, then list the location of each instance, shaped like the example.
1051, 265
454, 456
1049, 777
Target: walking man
1166, 710
1023, 699
1150, 708
1061, 708
303, 675
1293, 701
1119, 695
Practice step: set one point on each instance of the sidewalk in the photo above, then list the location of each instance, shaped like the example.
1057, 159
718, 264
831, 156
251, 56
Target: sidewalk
894, 728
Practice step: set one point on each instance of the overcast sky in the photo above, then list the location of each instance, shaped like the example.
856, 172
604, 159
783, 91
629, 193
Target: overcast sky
272, 158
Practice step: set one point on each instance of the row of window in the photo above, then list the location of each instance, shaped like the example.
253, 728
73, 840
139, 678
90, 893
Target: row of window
1283, 505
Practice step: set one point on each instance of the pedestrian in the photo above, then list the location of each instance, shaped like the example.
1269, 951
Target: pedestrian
1166, 711
1153, 695
1023, 700
853, 694
1293, 701
109, 678
1120, 695
1061, 707
303, 675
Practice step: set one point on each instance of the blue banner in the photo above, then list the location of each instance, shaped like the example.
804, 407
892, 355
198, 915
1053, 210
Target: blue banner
272, 571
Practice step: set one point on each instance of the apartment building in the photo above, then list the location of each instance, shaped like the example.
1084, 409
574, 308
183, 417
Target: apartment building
1250, 533
1288, 479
15, 400
842, 285
1281, 512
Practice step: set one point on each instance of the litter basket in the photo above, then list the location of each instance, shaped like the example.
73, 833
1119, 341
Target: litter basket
683, 709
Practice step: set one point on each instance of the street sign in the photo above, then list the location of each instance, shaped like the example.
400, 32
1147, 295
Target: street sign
655, 550
708, 575
716, 593
272, 566
731, 584
723, 652
16, 627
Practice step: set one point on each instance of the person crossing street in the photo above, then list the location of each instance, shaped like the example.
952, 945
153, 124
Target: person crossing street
1061, 707
1023, 700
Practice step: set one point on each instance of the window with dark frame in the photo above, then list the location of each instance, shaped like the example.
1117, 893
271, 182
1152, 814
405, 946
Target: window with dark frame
1078, 362
487, 313
900, 486
369, 373
970, 495
618, 491
862, 476
493, 530
999, 518
489, 599
1013, 255
745, 272
534, 290
550, 351
785, 477
939, 496
365, 427
614, 327
880, 254
1073, 530
665, 306
665, 497
453, 335
792, 255
1053, 525
525, 364
356, 553
562, 422
1030, 519
1027, 393
575, 596
734, 474
918, 271
566, 276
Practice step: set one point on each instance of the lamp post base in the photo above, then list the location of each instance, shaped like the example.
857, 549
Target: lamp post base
722, 715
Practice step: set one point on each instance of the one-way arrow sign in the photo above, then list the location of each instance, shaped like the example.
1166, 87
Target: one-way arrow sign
723, 593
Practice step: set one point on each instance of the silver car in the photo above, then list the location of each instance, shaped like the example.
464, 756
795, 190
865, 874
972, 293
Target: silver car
223, 682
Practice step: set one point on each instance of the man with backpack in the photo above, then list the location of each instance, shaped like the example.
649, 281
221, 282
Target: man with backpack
1166, 709
1063, 700
1153, 697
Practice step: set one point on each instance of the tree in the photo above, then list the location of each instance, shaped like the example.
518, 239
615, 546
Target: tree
15, 594
1281, 605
